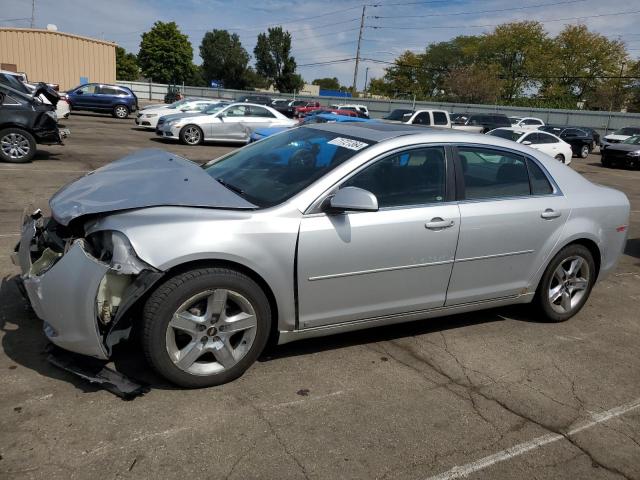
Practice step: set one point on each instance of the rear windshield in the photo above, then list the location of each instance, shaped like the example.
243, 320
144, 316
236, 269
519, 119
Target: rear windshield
398, 114
508, 134
271, 171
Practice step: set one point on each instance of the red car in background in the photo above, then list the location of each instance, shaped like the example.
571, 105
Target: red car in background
302, 110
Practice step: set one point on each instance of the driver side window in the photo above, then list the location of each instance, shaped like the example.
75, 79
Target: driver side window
236, 111
413, 177
88, 89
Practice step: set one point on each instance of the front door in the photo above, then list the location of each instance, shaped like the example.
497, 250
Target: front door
361, 265
511, 218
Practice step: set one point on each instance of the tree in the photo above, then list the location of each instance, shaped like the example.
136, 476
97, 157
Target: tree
254, 80
403, 78
522, 51
126, 65
327, 83
166, 54
473, 84
274, 60
224, 58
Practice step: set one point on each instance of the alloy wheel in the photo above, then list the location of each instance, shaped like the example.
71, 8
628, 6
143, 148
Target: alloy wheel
211, 332
192, 135
15, 145
584, 152
569, 284
121, 112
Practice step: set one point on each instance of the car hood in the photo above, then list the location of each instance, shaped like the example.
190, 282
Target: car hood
623, 147
616, 137
174, 116
147, 178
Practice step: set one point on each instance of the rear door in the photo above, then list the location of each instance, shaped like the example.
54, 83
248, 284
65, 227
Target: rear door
512, 215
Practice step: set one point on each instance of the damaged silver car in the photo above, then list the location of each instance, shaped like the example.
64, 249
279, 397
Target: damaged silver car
318, 230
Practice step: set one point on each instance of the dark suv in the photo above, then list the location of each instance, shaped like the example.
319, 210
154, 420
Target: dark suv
98, 97
26, 121
488, 121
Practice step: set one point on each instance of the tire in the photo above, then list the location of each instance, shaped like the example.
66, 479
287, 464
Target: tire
560, 158
191, 135
585, 151
194, 342
566, 283
120, 111
16, 145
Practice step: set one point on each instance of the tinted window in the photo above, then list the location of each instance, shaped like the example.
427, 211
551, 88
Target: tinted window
539, 182
414, 177
8, 100
440, 118
508, 134
493, 173
260, 112
531, 121
88, 89
422, 119
106, 90
272, 170
397, 114
545, 138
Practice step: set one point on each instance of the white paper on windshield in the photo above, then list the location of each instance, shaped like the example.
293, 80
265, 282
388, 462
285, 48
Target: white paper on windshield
348, 143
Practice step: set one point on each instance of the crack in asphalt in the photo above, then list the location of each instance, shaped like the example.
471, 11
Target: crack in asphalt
471, 389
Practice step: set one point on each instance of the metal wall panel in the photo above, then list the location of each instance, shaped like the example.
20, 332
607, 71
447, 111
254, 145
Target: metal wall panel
58, 57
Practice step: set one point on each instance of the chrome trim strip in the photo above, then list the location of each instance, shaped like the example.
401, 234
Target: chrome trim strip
377, 270
497, 255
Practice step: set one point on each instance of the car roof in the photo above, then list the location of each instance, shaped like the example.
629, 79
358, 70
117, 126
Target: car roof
377, 131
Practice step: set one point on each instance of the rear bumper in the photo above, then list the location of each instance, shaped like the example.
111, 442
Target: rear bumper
64, 295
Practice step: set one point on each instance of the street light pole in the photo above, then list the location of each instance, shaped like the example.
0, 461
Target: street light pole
355, 70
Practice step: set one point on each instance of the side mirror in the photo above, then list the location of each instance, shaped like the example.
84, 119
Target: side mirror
353, 199
78, 92
526, 142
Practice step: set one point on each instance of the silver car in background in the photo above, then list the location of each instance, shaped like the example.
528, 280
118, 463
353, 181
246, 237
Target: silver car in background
318, 230
232, 123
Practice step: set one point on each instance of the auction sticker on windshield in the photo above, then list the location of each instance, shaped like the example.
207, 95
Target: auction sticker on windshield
348, 143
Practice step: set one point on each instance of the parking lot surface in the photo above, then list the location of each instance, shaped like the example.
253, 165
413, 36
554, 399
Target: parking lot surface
494, 394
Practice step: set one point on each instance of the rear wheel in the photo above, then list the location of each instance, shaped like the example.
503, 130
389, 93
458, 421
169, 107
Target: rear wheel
560, 158
17, 145
205, 327
120, 111
191, 135
585, 151
566, 283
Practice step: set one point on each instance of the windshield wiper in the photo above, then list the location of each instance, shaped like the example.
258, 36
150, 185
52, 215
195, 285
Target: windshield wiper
233, 188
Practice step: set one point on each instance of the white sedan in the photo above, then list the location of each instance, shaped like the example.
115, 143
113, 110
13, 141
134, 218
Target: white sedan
148, 117
542, 141
526, 123
232, 123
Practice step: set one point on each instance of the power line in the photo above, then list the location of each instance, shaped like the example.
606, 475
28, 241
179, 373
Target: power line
328, 62
566, 2
632, 12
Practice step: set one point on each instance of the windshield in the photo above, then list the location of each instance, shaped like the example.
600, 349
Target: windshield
271, 171
508, 134
627, 131
398, 114
214, 108
175, 105
635, 140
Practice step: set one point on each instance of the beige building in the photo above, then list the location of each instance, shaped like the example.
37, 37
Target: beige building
56, 57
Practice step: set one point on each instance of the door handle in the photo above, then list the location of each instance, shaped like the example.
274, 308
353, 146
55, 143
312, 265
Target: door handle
550, 214
438, 223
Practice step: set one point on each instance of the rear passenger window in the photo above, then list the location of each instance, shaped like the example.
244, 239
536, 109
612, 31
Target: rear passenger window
440, 118
493, 173
422, 119
539, 182
414, 177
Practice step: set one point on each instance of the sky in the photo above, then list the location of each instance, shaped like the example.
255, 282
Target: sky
326, 31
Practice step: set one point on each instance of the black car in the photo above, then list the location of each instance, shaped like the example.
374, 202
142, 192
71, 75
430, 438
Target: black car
257, 99
625, 153
26, 121
488, 121
398, 114
594, 134
580, 140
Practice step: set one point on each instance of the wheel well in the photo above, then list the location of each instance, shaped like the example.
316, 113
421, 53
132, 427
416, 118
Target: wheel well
240, 268
593, 248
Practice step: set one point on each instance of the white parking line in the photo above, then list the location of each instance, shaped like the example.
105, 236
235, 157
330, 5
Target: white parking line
41, 171
463, 471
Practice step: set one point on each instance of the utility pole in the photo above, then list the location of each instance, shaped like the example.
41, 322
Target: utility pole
366, 79
33, 13
355, 70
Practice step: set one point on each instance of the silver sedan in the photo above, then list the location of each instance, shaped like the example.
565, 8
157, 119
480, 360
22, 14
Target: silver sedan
232, 123
318, 230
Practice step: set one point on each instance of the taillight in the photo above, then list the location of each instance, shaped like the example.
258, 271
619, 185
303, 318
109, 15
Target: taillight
621, 228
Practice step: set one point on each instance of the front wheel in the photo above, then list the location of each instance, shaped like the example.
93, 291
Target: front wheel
191, 135
205, 327
17, 145
585, 151
566, 283
120, 111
